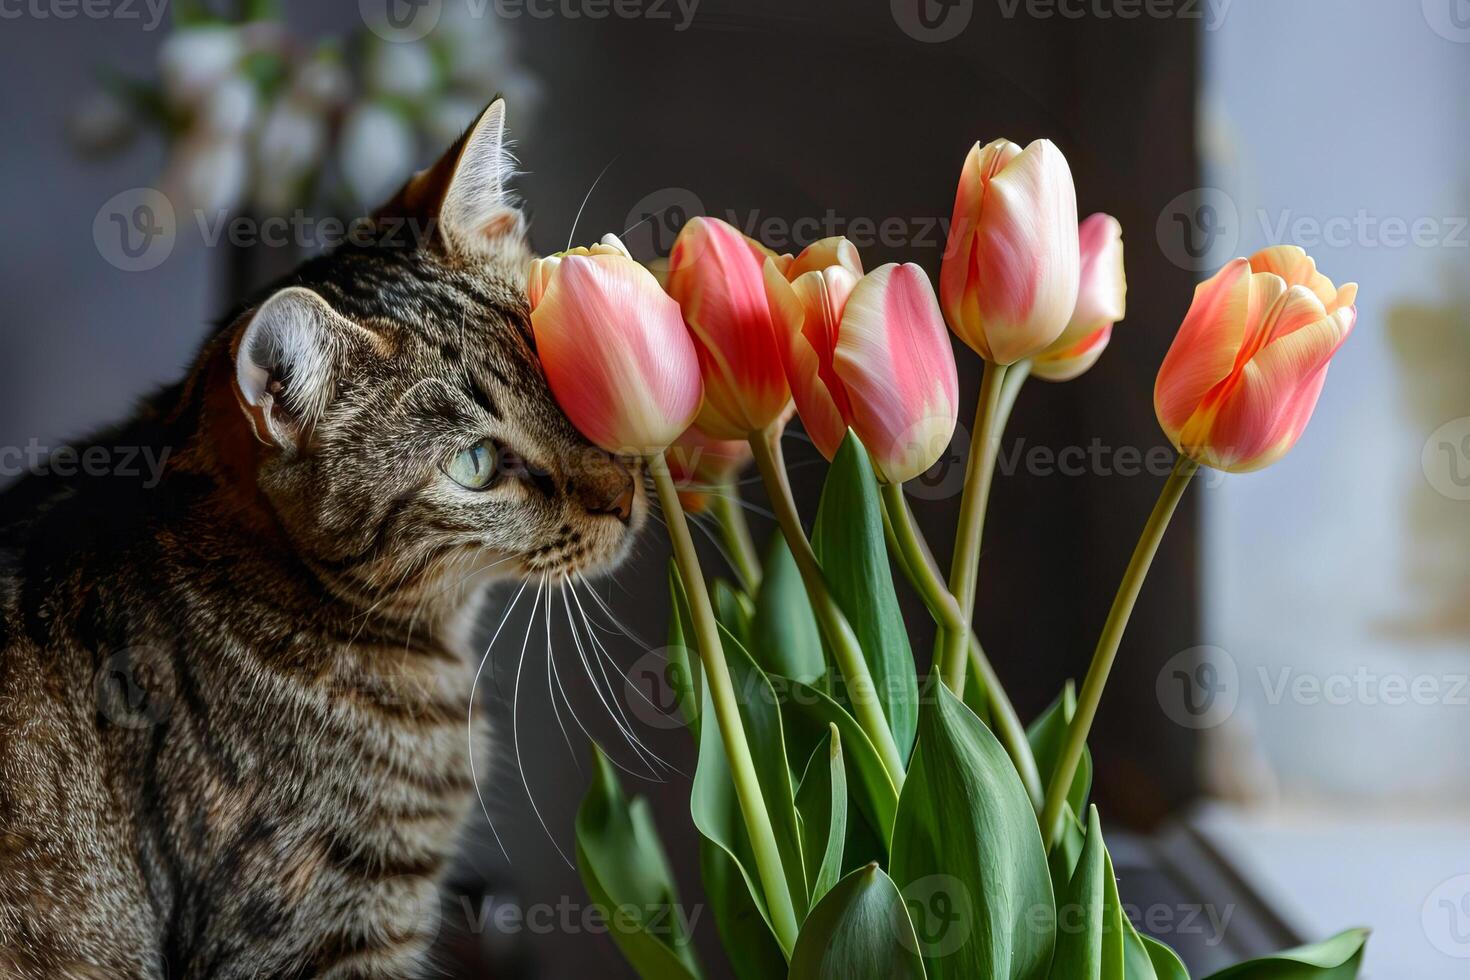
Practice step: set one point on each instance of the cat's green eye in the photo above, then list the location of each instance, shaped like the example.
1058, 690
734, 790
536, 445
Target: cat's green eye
476, 468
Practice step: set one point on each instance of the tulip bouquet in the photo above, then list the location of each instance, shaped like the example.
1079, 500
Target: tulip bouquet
859, 820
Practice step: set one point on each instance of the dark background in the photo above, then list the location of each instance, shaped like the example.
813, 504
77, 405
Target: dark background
819, 109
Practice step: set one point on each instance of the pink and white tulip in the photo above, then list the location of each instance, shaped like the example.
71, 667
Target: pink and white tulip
1009, 280
1101, 295
868, 353
615, 349
1244, 373
715, 275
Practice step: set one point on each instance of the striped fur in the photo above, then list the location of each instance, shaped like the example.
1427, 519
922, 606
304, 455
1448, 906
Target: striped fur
233, 705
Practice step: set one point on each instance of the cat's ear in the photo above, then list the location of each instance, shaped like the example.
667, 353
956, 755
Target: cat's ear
465, 197
287, 358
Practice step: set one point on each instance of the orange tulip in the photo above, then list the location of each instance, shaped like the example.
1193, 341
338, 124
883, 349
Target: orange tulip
867, 353
1243, 375
715, 275
615, 350
1010, 273
1101, 293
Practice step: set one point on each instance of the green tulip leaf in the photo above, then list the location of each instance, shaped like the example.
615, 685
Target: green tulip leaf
849, 543
1338, 958
624, 868
713, 802
682, 663
746, 936
733, 609
1089, 942
784, 638
860, 930
821, 801
1046, 735
967, 852
808, 713
1145, 958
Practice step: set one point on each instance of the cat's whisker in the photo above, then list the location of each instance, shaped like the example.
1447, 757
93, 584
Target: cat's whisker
607, 611
610, 703
572, 235
703, 523
551, 692
590, 737
515, 709
603, 653
470, 715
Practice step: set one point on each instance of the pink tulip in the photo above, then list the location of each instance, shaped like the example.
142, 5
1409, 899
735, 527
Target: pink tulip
1010, 273
615, 349
715, 275
869, 353
1100, 303
1243, 375
700, 464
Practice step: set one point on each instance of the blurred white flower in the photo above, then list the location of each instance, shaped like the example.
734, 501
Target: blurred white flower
322, 82
230, 107
193, 60
102, 123
209, 172
404, 69
291, 145
377, 152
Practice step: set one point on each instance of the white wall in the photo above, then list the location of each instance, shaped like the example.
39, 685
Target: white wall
1349, 121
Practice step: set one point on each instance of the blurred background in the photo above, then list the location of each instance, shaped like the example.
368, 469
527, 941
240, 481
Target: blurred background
1284, 734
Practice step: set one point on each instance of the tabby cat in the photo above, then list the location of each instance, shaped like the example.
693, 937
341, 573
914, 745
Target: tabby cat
233, 704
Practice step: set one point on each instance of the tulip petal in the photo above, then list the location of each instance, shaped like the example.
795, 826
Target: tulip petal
1296, 267
616, 354
716, 279
957, 275
699, 463
894, 357
836, 250
806, 315
1204, 351
1026, 261
1265, 409
1102, 287
1064, 364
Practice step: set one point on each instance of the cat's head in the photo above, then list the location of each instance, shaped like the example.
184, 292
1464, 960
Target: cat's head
407, 439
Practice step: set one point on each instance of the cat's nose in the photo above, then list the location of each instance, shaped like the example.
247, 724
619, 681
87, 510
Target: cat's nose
611, 494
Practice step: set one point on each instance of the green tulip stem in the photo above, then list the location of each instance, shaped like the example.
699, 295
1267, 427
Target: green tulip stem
735, 535
727, 711
907, 543
1107, 646
964, 569
836, 630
